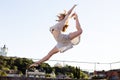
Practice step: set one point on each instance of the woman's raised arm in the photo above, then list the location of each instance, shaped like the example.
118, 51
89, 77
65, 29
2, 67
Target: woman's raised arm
69, 12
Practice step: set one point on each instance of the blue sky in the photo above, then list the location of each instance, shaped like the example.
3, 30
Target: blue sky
24, 29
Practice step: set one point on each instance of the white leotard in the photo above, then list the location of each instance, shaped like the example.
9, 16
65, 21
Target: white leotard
63, 41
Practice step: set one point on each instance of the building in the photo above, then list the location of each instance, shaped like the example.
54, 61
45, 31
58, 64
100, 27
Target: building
58, 65
3, 51
13, 73
35, 73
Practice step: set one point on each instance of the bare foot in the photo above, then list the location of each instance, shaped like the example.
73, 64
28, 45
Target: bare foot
33, 65
75, 16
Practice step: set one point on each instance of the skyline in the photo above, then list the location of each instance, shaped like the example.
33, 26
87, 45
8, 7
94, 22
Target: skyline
24, 29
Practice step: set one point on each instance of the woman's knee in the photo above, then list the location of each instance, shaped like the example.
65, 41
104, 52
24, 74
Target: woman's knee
75, 34
80, 32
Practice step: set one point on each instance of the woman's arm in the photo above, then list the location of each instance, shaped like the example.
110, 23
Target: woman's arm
69, 12
65, 20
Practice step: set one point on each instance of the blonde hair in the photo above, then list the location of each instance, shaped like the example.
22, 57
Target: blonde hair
66, 24
65, 27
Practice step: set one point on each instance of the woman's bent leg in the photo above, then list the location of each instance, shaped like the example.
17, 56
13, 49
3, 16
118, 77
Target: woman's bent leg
78, 27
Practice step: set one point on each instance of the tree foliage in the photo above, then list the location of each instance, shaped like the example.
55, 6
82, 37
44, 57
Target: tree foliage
14, 63
21, 64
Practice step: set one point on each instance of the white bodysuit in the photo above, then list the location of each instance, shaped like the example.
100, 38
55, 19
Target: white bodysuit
63, 41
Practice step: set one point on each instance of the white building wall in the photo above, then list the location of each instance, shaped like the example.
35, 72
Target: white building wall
3, 51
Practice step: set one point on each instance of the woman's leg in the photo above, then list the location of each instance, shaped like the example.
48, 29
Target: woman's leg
78, 27
52, 52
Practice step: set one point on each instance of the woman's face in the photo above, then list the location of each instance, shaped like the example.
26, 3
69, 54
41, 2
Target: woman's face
60, 17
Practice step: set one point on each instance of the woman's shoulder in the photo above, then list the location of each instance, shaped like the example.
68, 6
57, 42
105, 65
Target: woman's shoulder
55, 25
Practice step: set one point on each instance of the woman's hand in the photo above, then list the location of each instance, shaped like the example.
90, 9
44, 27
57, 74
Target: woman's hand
75, 5
69, 12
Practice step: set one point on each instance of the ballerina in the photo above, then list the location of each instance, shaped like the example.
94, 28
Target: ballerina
64, 41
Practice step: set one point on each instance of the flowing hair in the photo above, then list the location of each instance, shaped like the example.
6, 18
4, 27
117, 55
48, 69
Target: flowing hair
66, 24
65, 27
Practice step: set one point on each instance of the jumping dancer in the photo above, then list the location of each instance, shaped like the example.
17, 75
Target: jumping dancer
64, 41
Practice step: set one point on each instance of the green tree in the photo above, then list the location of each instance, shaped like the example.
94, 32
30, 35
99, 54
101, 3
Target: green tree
58, 70
11, 62
46, 67
14, 68
76, 73
2, 73
1, 60
83, 75
1, 66
23, 64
